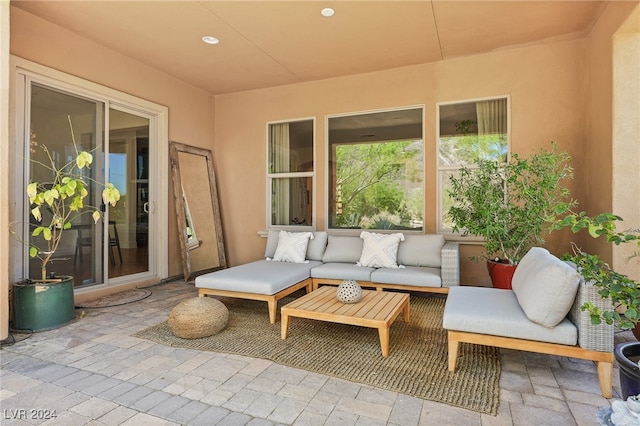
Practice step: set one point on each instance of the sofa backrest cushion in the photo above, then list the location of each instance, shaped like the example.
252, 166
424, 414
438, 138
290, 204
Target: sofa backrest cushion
317, 246
315, 250
272, 244
421, 250
379, 250
342, 249
545, 287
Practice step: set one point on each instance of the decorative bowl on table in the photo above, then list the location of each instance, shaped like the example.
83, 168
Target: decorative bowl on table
349, 291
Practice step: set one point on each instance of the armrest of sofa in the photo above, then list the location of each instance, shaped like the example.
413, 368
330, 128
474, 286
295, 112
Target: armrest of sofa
450, 269
593, 337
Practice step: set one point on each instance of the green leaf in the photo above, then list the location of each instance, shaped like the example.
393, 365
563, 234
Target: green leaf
83, 159
51, 195
37, 215
110, 194
96, 216
32, 191
33, 252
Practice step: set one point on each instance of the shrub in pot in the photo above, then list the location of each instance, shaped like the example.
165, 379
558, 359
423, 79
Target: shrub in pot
47, 302
623, 290
511, 204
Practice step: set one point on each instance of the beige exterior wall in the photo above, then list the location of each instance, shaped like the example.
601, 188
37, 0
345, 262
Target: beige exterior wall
626, 138
611, 175
191, 109
4, 172
547, 85
559, 91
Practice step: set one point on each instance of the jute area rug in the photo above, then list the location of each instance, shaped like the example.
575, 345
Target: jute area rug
416, 365
117, 299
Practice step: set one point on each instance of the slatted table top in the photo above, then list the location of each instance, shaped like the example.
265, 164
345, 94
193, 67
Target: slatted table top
377, 309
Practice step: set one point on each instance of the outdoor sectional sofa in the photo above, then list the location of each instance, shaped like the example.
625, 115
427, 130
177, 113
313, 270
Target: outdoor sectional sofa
424, 262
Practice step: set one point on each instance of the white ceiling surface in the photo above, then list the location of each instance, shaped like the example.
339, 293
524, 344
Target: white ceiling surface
272, 43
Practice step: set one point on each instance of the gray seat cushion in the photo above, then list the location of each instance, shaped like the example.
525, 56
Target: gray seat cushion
497, 312
259, 277
342, 271
410, 275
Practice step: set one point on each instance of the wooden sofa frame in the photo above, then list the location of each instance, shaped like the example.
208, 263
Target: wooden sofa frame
595, 341
381, 286
603, 360
271, 299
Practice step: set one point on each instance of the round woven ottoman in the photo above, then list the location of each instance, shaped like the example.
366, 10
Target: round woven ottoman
198, 317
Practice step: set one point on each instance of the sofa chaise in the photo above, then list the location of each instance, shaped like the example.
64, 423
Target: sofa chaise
420, 263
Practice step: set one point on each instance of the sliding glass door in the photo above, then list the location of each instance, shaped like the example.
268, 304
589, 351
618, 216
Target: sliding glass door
119, 140
59, 124
128, 222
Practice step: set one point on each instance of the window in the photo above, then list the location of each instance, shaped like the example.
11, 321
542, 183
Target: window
469, 131
376, 170
290, 176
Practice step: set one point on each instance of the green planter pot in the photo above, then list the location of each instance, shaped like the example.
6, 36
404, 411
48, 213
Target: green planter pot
44, 305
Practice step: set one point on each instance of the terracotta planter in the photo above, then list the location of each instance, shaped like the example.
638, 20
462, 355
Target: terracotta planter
627, 355
501, 273
636, 331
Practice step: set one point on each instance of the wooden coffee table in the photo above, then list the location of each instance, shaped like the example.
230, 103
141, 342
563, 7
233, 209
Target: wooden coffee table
377, 309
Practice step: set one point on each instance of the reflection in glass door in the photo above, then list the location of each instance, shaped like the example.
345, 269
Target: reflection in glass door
117, 245
129, 172
53, 117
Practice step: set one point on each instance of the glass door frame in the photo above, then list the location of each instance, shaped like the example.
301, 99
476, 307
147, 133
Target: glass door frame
27, 72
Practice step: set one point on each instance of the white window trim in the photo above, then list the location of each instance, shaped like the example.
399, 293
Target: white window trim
271, 176
158, 114
451, 236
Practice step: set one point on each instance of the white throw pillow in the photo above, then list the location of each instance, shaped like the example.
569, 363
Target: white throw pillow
292, 246
380, 250
545, 287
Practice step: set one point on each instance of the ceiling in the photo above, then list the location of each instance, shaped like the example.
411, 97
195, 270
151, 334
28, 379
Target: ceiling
272, 43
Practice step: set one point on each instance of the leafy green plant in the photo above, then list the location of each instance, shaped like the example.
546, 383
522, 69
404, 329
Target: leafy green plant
511, 204
623, 290
59, 202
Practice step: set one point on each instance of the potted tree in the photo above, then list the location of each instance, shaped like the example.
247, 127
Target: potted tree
623, 291
47, 302
511, 204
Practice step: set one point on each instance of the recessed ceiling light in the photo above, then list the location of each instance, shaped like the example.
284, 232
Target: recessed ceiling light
327, 11
210, 40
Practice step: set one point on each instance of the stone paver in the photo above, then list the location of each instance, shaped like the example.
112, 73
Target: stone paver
93, 372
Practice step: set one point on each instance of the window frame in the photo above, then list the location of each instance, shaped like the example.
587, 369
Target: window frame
327, 182
450, 235
271, 176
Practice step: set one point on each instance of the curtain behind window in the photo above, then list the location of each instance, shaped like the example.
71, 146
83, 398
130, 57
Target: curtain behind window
492, 116
281, 164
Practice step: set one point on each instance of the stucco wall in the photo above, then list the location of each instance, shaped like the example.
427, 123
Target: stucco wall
547, 88
190, 109
553, 89
614, 113
4, 172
